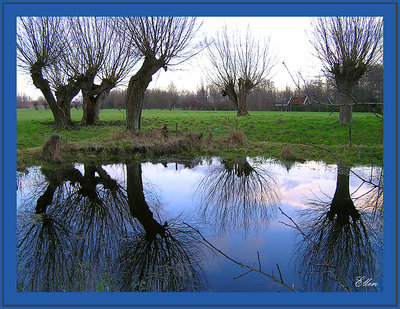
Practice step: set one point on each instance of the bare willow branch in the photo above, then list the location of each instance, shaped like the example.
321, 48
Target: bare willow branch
239, 63
40, 45
347, 47
336, 277
237, 194
239, 263
161, 42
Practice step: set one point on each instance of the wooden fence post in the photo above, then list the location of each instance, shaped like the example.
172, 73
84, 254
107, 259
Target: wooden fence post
349, 136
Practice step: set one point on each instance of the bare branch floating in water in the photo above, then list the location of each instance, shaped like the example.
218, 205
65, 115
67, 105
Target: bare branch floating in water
241, 264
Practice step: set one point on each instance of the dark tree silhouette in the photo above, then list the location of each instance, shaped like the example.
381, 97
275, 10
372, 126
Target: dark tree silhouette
340, 243
163, 258
80, 231
68, 238
44, 253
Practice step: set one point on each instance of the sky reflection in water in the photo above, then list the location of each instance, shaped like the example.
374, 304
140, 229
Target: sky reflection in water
235, 205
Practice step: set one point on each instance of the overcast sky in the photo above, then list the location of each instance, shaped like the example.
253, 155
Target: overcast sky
289, 41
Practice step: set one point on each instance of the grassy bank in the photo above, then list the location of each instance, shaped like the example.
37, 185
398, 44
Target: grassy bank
282, 135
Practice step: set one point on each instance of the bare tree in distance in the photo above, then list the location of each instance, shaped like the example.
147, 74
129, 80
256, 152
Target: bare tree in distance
347, 47
238, 64
40, 41
23, 100
42, 102
162, 42
172, 96
99, 58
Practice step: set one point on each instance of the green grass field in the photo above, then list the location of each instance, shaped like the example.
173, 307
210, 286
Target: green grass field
267, 132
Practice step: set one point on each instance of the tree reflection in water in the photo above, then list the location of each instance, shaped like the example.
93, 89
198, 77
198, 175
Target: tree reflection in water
78, 221
238, 195
341, 243
160, 257
79, 227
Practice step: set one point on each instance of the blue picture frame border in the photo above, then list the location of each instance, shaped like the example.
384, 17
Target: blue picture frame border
11, 9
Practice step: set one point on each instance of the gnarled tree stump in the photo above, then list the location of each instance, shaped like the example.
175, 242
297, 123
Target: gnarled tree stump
52, 149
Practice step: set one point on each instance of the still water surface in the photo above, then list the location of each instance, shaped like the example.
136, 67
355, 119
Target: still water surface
139, 227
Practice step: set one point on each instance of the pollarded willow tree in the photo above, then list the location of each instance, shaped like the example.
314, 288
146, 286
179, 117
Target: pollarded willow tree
161, 42
98, 57
40, 42
348, 47
238, 64
66, 55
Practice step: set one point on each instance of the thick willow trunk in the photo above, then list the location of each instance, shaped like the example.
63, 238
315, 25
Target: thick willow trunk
46, 199
239, 98
91, 95
64, 96
137, 202
346, 111
60, 112
135, 92
134, 106
342, 206
346, 103
242, 105
91, 111
230, 92
61, 120
244, 89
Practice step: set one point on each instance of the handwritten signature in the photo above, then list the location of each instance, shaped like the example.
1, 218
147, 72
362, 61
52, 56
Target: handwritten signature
363, 281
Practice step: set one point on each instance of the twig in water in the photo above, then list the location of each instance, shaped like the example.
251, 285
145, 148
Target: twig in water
247, 272
280, 274
239, 263
339, 280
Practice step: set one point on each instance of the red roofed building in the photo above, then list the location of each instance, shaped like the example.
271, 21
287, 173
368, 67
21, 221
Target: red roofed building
298, 101
293, 103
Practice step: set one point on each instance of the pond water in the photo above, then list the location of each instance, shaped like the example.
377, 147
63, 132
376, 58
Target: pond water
180, 226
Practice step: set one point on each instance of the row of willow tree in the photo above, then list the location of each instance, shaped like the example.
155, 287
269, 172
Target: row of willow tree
92, 55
